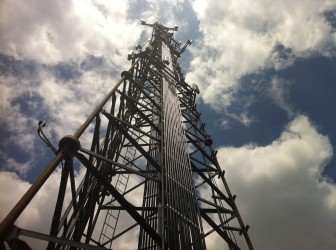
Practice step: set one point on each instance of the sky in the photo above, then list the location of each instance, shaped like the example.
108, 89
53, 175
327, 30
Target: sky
266, 70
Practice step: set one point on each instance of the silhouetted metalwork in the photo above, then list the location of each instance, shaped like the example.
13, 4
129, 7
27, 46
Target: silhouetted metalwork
151, 177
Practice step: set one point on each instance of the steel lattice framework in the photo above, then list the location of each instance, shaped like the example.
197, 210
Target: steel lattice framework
151, 170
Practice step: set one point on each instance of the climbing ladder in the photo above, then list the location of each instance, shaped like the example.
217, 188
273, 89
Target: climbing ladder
112, 216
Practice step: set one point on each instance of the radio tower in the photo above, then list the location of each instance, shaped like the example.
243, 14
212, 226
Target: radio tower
152, 176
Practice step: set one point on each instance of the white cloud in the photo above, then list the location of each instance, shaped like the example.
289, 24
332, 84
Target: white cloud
12, 189
279, 92
280, 190
11, 164
11, 117
244, 37
53, 31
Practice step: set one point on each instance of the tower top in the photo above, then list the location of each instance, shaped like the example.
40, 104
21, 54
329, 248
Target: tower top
158, 25
166, 34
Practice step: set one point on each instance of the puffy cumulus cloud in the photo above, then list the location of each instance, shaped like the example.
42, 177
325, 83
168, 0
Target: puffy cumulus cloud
281, 192
244, 37
54, 31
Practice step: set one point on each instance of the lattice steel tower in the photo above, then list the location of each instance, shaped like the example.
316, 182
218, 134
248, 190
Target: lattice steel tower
152, 178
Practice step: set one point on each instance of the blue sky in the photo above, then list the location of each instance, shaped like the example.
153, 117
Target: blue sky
267, 75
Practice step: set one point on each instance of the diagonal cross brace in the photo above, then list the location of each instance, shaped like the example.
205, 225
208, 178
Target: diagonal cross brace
120, 198
222, 233
213, 186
